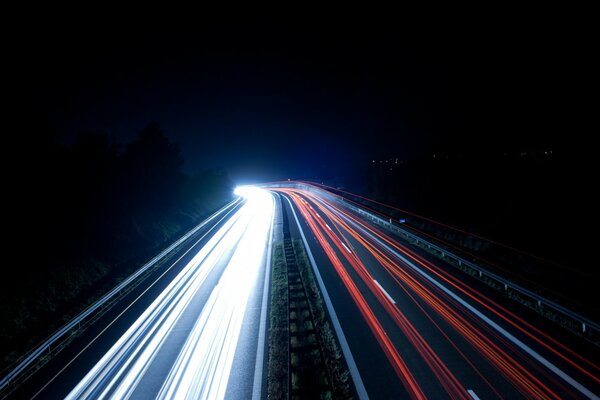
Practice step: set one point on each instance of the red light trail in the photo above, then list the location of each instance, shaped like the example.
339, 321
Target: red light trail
350, 244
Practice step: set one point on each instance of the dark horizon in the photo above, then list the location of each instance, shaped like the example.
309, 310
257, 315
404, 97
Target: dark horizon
440, 253
269, 100
275, 101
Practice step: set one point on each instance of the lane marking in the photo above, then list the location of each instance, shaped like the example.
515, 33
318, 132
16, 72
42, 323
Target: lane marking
473, 395
346, 247
541, 359
384, 292
358, 383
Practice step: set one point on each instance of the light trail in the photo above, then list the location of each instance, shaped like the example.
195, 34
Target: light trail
57, 336
513, 370
557, 348
460, 250
413, 388
431, 290
202, 368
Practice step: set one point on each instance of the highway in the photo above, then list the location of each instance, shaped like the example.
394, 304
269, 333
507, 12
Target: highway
418, 330
409, 325
194, 330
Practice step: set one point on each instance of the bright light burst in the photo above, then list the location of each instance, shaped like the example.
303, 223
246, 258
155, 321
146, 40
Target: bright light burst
249, 192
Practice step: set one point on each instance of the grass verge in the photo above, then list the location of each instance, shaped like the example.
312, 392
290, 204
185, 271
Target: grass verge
336, 366
278, 366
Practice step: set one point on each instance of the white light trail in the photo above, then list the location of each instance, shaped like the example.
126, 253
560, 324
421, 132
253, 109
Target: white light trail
202, 368
204, 363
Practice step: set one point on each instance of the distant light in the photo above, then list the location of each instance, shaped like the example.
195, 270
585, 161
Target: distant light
249, 192
402, 221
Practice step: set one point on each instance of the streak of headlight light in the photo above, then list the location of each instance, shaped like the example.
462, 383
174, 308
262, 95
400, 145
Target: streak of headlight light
168, 305
203, 366
125, 363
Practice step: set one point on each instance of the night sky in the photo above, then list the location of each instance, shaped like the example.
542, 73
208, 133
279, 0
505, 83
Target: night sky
489, 111
272, 100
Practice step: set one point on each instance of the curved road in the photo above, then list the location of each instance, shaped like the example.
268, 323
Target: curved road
194, 329
413, 327
418, 331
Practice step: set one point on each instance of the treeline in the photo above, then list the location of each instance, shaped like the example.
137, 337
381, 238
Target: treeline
514, 200
531, 202
88, 213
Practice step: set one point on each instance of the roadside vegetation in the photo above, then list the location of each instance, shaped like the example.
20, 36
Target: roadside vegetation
278, 374
86, 216
523, 199
305, 360
334, 360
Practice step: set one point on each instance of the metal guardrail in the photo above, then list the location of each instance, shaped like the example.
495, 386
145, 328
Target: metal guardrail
585, 323
89, 312
582, 325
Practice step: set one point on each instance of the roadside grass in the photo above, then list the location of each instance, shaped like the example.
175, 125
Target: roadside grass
330, 348
278, 367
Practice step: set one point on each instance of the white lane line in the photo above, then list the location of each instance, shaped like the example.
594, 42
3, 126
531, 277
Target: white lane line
358, 383
260, 350
384, 292
473, 395
328, 227
541, 359
346, 247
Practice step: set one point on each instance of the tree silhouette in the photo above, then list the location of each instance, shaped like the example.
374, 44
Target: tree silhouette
93, 211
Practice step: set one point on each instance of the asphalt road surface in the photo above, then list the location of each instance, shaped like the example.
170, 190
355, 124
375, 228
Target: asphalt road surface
417, 329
